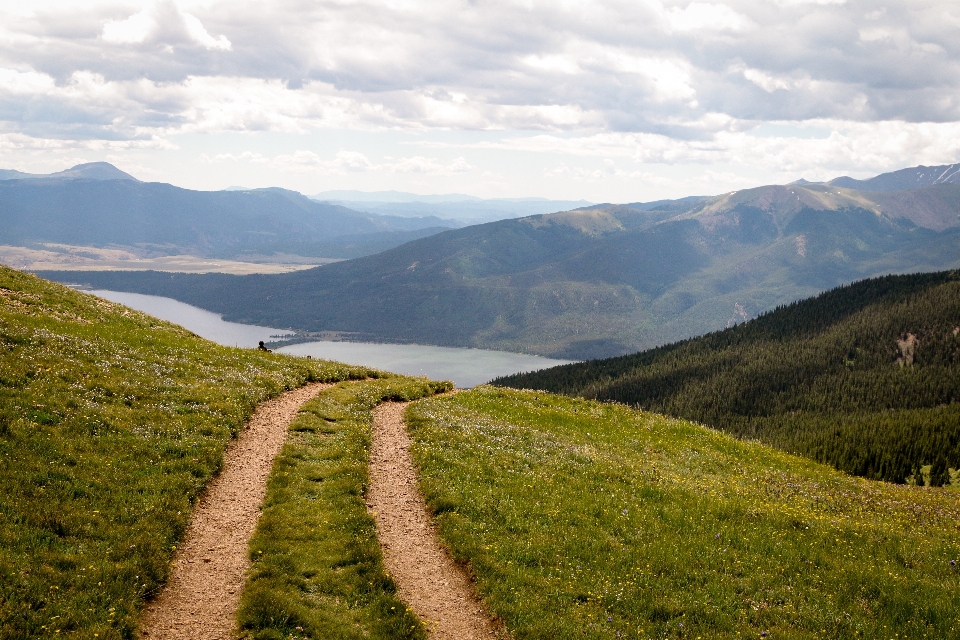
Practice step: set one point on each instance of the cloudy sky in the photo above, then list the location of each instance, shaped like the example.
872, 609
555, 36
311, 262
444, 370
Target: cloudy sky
608, 101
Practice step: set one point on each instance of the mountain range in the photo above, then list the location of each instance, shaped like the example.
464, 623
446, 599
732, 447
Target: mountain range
454, 206
598, 281
903, 180
98, 205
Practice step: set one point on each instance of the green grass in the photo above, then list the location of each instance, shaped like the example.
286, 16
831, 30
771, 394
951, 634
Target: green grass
590, 520
111, 423
317, 566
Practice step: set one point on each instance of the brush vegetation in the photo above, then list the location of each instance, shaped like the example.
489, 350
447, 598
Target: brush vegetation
317, 566
581, 519
864, 377
111, 423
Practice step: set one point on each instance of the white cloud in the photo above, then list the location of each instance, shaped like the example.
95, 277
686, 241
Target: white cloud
164, 20
25, 82
345, 162
648, 81
508, 65
134, 29
766, 81
702, 16
852, 147
200, 35
793, 3
430, 166
558, 63
249, 156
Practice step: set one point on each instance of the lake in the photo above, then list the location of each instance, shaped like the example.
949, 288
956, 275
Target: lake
465, 367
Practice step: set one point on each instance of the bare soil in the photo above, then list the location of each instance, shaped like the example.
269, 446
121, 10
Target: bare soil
200, 600
437, 589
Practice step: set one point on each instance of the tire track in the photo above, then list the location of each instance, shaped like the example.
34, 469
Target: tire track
428, 580
209, 569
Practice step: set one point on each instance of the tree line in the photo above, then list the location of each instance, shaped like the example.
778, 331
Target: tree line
865, 377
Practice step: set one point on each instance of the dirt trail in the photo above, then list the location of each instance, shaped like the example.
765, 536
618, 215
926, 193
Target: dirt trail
428, 580
200, 599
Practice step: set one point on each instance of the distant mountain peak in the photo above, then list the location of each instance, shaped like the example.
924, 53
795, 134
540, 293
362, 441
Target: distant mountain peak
85, 171
93, 171
904, 179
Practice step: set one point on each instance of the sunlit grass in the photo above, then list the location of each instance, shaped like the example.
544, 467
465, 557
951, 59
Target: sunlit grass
111, 423
317, 567
591, 520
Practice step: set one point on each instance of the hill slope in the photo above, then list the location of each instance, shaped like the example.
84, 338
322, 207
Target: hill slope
599, 281
111, 423
865, 377
589, 520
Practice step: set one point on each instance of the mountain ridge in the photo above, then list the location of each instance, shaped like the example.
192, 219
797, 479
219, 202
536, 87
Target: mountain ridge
903, 179
85, 171
153, 218
598, 281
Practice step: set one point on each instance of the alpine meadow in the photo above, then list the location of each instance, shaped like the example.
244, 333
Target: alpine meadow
458, 320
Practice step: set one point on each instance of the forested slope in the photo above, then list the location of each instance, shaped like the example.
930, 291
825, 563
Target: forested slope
865, 377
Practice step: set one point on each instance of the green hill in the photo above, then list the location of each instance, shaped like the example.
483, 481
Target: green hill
595, 282
583, 519
111, 423
578, 518
865, 377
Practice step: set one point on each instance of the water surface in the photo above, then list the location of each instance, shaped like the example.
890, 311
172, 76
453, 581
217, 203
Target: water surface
465, 367
205, 324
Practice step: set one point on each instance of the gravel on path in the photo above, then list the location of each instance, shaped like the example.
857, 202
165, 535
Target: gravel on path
201, 597
428, 580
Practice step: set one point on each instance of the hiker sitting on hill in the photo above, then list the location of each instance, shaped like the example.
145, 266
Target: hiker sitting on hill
263, 348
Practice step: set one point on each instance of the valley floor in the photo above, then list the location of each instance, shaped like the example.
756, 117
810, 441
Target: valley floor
60, 257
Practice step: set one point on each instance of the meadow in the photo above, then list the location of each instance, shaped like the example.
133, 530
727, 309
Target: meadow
582, 519
577, 518
111, 423
865, 377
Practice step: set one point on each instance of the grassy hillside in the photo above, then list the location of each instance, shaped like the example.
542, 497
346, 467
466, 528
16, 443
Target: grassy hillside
589, 520
595, 282
865, 377
111, 422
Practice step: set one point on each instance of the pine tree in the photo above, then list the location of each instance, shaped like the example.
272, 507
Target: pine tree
939, 474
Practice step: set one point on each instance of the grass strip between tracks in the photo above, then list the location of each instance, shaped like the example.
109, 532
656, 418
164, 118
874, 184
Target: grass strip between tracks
317, 566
